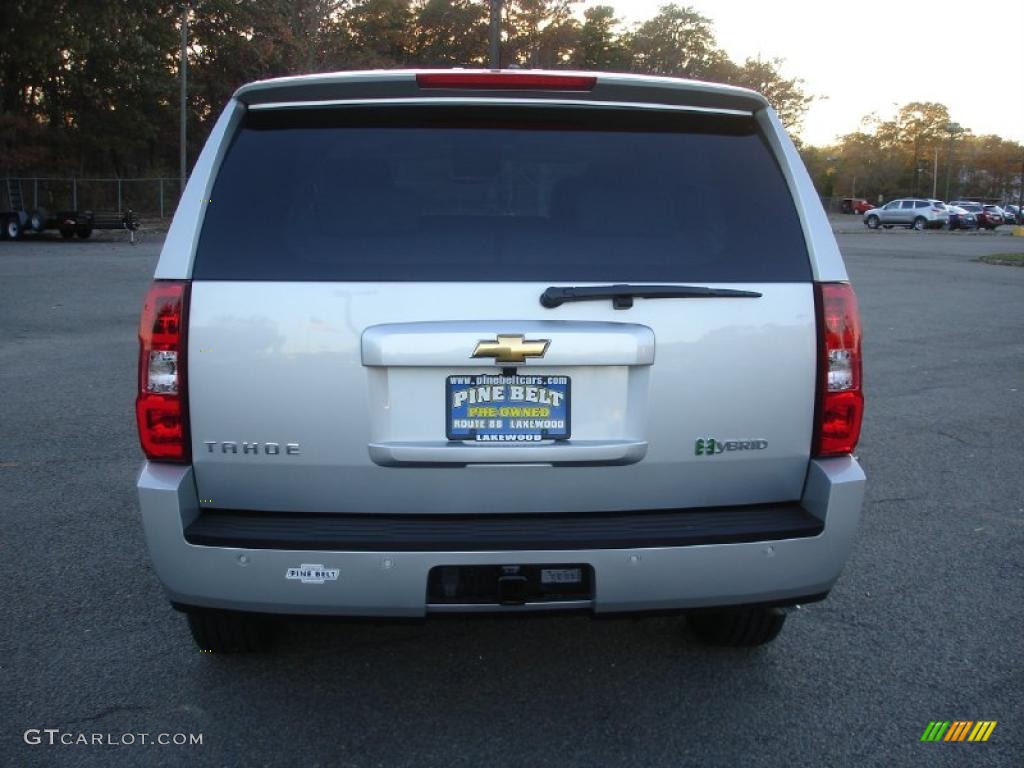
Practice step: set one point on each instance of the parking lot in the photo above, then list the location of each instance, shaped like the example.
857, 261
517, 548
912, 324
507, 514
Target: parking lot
925, 624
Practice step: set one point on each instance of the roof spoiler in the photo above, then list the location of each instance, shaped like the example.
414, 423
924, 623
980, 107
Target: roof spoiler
402, 84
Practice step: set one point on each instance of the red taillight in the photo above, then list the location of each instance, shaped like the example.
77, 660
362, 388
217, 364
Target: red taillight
160, 407
840, 406
489, 81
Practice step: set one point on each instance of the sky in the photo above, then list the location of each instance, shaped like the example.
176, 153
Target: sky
876, 55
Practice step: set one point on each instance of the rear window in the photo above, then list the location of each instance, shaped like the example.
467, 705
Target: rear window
490, 194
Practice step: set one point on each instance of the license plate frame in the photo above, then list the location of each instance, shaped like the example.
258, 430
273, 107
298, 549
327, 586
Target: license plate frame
524, 427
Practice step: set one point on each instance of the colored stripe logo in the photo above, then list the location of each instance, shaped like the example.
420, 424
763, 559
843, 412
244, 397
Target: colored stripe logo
958, 730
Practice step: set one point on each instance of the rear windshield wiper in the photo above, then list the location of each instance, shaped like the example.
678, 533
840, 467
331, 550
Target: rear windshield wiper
622, 295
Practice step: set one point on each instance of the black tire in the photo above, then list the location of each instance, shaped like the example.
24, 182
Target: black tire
67, 233
229, 631
83, 233
736, 627
872, 222
37, 222
12, 228
920, 224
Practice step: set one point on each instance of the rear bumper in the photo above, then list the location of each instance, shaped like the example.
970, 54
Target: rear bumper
237, 563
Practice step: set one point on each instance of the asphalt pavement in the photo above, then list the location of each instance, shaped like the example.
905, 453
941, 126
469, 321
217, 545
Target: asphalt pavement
925, 623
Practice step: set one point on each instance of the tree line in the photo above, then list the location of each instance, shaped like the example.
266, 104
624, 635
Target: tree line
91, 87
922, 152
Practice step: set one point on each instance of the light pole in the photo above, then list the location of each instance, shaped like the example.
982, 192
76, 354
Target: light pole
830, 181
952, 129
495, 34
183, 66
1020, 196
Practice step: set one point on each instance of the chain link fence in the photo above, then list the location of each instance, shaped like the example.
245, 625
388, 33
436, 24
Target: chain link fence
146, 197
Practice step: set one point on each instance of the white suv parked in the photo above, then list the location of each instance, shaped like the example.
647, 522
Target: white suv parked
913, 212
435, 342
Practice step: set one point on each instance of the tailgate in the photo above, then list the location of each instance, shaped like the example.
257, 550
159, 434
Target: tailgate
355, 377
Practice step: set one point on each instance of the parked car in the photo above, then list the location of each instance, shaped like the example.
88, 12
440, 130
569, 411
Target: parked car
856, 205
959, 218
1012, 214
986, 219
454, 363
917, 213
996, 214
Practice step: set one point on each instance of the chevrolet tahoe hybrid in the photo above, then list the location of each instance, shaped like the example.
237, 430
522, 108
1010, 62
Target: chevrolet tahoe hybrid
427, 342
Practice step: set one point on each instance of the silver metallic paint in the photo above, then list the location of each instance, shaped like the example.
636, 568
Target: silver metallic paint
291, 370
179, 247
723, 368
826, 261
394, 583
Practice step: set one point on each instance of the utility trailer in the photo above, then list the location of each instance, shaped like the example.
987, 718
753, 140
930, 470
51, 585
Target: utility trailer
17, 219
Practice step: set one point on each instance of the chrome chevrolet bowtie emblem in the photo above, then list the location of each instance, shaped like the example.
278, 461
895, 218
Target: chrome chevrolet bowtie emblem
511, 349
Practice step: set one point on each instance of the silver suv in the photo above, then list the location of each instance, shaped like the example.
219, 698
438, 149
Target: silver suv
912, 212
434, 342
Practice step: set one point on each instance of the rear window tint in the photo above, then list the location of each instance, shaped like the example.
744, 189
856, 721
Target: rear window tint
489, 194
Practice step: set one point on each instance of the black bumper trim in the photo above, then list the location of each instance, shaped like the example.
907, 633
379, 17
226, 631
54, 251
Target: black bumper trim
517, 616
469, 533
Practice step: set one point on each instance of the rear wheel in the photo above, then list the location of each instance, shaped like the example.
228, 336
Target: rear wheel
12, 228
736, 627
920, 223
83, 233
229, 631
67, 233
872, 222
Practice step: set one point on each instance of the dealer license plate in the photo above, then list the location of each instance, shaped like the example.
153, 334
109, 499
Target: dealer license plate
493, 408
